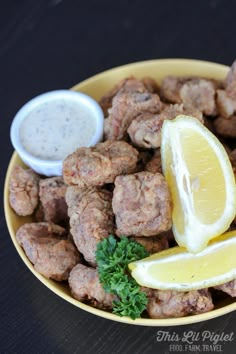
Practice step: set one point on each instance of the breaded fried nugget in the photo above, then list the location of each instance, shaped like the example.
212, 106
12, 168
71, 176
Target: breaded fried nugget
125, 108
226, 99
228, 288
52, 196
24, 189
170, 88
153, 244
193, 92
145, 130
225, 127
199, 94
85, 286
47, 247
169, 304
141, 204
131, 100
226, 104
100, 164
129, 84
91, 218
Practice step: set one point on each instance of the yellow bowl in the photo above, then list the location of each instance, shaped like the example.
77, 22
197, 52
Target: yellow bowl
96, 86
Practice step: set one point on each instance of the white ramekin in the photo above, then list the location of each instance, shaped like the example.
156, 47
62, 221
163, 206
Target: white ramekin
48, 167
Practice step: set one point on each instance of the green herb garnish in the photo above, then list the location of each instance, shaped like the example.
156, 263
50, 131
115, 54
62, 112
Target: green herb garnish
113, 258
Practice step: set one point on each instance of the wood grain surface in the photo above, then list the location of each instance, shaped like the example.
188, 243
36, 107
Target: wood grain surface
46, 45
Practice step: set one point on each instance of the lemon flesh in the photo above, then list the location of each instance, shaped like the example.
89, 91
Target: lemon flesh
201, 182
178, 269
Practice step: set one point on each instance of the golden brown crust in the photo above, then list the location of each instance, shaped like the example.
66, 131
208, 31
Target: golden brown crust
23, 190
141, 204
100, 164
91, 218
47, 247
85, 286
52, 197
169, 304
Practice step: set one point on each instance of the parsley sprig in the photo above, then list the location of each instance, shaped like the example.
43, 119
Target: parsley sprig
113, 258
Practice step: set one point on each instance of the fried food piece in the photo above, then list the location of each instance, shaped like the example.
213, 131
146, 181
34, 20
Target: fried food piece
199, 94
106, 100
225, 127
24, 189
170, 88
154, 165
171, 111
226, 99
126, 106
150, 84
85, 286
91, 218
169, 304
108, 129
129, 84
145, 130
100, 164
153, 244
230, 81
141, 204
228, 288
132, 85
226, 105
193, 92
47, 247
128, 87
52, 196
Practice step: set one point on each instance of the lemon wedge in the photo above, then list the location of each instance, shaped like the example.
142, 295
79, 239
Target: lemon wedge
178, 269
201, 182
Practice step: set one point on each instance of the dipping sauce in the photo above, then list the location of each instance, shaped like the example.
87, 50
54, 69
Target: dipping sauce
56, 129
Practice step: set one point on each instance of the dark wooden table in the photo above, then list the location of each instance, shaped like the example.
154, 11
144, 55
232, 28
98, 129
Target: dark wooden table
46, 45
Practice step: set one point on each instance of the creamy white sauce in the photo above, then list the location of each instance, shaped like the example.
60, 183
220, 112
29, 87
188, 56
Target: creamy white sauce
56, 129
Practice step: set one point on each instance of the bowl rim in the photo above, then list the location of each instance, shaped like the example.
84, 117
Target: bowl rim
164, 61
50, 284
